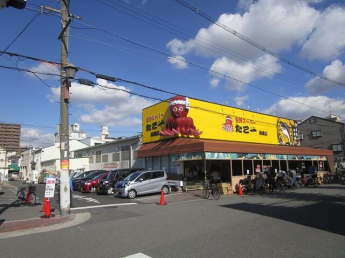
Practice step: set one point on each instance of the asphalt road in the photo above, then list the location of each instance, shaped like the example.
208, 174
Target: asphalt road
302, 223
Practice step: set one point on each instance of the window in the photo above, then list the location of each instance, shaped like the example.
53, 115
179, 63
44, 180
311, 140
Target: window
98, 156
313, 120
105, 158
116, 156
125, 152
157, 174
237, 167
79, 154
301, 136
90, 160
337, 147
144, 177
317, 133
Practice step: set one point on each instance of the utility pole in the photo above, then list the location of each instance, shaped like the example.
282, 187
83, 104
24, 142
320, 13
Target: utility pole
67, 72
64, 109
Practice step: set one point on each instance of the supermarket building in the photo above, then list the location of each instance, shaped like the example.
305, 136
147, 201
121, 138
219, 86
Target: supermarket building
192, 139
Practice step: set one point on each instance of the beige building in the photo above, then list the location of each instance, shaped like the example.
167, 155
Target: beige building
10, 136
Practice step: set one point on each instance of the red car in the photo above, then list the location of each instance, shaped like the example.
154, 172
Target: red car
91, 185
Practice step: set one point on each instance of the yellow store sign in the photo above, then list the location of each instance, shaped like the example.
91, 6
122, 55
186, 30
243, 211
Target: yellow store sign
183, 117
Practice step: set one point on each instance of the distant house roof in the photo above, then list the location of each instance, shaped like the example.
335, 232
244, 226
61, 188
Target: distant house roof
321, 118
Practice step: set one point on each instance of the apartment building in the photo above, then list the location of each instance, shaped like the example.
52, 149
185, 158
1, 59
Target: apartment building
10, 136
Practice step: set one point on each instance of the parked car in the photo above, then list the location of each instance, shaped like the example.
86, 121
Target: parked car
106, 185
76, 182
143, 182
91, 185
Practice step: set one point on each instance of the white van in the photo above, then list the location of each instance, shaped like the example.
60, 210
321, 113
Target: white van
143, 182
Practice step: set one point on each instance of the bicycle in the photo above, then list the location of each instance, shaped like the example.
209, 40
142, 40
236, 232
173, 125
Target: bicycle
210, 189
27, 196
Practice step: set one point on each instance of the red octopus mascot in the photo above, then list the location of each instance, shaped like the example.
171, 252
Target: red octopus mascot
178, 122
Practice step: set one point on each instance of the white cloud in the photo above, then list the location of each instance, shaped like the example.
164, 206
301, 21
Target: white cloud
111, 107
285, 24
177, 47
335, 71
31, 137
293, 110
240, 100
44, 68
244, 73
178, 62
327, 39
214, 82
244, 4
277, 30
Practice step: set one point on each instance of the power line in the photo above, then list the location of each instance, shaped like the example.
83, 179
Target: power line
270, 71
164, 91
20, 33
199, 66
251, 42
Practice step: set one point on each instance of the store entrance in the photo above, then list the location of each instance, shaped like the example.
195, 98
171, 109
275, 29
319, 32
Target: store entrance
218, 171
194, 172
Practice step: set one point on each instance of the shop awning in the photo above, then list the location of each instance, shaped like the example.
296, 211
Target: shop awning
13, 168
187, 145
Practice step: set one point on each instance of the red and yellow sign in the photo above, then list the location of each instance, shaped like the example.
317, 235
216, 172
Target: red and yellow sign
64, 164
183, 117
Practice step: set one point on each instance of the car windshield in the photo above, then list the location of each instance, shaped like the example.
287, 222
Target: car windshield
91, 175
98, 177
133, 176
111, 174
79, 176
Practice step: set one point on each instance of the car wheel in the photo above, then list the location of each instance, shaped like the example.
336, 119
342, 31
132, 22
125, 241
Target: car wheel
132, 194
165, 189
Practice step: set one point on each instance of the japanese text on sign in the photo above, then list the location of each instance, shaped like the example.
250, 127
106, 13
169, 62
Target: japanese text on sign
50, 188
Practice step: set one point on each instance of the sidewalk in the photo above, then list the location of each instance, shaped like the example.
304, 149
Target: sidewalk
19, 219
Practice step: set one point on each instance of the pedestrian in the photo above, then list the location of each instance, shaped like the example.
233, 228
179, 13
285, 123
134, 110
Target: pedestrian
272, 179
71, 192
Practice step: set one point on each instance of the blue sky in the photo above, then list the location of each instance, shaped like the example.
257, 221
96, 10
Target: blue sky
310, 33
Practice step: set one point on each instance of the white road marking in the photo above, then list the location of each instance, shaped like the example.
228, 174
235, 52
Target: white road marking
101, 206
85, 198
138, 255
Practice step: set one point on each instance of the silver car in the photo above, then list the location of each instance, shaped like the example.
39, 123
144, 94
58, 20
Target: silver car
143, 182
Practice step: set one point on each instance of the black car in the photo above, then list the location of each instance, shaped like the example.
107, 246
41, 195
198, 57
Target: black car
76, 182
106, 186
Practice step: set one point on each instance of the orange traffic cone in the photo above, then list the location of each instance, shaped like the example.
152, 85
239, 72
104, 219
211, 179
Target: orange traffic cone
162, 202
240, 189
47, 212
44, 205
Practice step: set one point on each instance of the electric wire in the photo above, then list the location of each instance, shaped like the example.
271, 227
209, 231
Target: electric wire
146, 86
200, 66
21, 32
268, 70
235, 33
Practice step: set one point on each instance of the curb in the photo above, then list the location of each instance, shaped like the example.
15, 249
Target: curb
75, 219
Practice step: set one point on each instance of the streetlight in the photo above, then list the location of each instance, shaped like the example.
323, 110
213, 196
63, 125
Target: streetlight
69, 70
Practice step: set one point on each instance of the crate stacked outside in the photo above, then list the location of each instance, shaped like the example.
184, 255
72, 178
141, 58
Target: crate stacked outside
225, 188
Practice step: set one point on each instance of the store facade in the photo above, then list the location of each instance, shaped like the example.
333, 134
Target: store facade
196, 140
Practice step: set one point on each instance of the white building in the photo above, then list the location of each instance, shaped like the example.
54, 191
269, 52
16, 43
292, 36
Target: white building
3, 165
121, 153
74, 133
50, 157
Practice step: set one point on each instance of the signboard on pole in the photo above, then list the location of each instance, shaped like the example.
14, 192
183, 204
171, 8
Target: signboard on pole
50, 188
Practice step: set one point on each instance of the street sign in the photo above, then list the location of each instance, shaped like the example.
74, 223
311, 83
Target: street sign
50, 188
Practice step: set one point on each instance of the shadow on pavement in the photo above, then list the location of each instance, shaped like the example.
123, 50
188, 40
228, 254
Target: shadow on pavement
323, 216
304, 196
